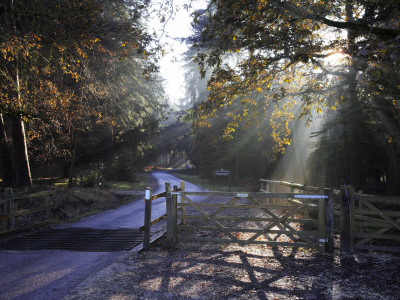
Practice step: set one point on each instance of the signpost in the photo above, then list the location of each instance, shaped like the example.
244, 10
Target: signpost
222, 172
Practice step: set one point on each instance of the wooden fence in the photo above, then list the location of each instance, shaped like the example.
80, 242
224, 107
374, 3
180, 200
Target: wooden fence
366, 222
273, 186
11, 207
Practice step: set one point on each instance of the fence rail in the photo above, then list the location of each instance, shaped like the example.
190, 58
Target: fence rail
11, 209
268, 185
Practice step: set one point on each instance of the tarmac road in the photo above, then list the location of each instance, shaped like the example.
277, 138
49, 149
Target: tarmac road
51, 274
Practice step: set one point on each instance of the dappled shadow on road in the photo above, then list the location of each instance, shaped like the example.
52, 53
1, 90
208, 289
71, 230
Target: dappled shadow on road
208, 271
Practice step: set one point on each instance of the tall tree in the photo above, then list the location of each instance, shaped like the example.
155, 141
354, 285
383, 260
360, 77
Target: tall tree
285, 49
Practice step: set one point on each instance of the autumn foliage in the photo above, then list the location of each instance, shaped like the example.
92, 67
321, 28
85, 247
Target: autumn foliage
63, 69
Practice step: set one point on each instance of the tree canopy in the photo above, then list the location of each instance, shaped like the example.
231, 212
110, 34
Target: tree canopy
274, 61
282, 51
72, 67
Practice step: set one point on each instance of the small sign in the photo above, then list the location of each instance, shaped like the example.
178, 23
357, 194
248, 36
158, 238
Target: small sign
222, 172
242, 195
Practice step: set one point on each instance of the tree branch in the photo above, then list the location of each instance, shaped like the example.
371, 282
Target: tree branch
336, 73
303, 13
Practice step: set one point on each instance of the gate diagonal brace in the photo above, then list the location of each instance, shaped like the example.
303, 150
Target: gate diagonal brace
386, 218
393, 223
219, 210
205, 214
266, 210
291, 229
369, 238
278, 221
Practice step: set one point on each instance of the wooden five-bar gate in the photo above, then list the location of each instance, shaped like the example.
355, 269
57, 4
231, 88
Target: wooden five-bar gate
275, 224
275, 219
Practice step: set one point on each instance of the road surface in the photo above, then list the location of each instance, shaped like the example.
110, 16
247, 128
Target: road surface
51, 274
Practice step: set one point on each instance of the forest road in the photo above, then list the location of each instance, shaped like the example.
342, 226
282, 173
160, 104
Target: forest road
51, 274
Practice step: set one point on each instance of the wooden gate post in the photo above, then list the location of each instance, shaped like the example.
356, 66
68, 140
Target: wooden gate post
182, 200
170, 214
321, 225
147, 218
346, 193
330, 246
174, 216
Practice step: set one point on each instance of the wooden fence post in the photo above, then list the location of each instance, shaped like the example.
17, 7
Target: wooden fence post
48, 207
291, 191
321, 225
7, 205
11, 213
330, 246
352, 219
174, 214
170, 217
345, 210
182, 200
214, 179
273, 189
147, 218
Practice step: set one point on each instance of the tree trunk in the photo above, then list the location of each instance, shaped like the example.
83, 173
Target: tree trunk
393, 174
5, 156
353, 124
72, 165
20, 159
108, 152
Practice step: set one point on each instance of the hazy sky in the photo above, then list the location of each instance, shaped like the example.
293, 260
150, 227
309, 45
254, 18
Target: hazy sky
171, 65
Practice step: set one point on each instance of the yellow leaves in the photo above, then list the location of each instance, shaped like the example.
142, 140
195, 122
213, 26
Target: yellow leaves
229, 130
389, 139
259, 89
